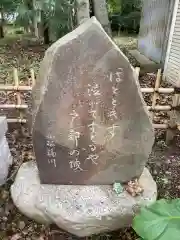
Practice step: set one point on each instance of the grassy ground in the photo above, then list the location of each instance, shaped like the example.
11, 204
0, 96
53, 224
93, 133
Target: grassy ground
163, 163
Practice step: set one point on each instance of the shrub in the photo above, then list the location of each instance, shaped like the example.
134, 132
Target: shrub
19, 31
129, 22
159, 221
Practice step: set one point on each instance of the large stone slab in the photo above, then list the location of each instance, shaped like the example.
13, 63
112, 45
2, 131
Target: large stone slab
5, 155
80, 210
90, 122
3, 126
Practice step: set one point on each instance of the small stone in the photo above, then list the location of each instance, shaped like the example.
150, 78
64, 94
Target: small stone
13, 224
4, 219
155, 172
22, 225
165, 180
16, 237
168, 161
25, 232
4, 195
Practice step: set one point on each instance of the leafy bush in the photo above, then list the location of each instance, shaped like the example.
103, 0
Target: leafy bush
159, 221
129, 22
19, 31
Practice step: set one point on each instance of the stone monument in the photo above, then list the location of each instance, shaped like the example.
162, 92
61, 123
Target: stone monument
5, 155
90, 129
90, 122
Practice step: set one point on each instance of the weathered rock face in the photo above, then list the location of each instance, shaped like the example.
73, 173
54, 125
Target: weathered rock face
25, 190
5, 155
80, 210
90, 123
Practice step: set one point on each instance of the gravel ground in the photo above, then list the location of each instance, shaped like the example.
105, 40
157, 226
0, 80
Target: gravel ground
163, 163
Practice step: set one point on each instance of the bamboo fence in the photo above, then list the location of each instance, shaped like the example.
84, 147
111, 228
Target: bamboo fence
170, 126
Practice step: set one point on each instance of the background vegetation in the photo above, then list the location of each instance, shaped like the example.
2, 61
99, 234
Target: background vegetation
51, 19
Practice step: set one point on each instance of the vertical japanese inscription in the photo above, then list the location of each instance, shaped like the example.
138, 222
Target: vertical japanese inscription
74, 136
94, 94
51, 150
114, 78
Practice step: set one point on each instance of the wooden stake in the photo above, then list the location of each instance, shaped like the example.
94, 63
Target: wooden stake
16, 81
11, 106
156, 94
156, 91
29, 88
137, 70
16, 120
25, 106
173, 122
159, 108
160, 126
15, 88
32, 77
159, 90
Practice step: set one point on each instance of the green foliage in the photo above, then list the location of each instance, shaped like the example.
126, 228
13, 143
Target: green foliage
129, 22
25, 15
55, 14
125, 15
114, 6
159, 221
123, 7
128, 6
61, 18
9, 5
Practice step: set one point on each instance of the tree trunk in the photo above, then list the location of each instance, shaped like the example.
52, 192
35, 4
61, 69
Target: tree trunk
45, 28
83, 13
36, 29
1, 31
46, 35
101, 13
35, 19
2, 24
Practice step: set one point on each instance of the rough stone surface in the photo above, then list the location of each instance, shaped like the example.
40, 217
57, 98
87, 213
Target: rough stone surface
80, 210
25, 190
5, 155
90, 123
3, 126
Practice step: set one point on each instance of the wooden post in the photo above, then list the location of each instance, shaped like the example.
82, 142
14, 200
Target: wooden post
16, 83
18, 94
32, 77
137, 70
174, 115
171, 126
156, 93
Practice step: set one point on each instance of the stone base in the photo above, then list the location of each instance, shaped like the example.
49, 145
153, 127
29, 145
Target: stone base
80, 210
5, 155
146, 65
